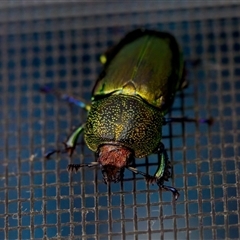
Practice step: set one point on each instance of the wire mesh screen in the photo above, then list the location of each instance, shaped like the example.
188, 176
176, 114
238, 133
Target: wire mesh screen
59, 45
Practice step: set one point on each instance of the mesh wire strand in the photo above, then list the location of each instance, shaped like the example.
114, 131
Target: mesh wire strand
40, 199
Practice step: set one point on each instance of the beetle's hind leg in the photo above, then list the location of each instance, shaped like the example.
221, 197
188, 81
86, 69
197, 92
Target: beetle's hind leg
209, 121
184, 82
65, 97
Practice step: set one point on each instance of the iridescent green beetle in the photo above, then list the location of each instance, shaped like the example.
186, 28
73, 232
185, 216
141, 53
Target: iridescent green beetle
129, 100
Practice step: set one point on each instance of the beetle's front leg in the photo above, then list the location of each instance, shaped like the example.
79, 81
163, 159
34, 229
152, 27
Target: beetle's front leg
155, 179
164, 164
70, 144
162, 173
75, 167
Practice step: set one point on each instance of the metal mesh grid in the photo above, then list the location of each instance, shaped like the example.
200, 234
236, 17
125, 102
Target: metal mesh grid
40, 199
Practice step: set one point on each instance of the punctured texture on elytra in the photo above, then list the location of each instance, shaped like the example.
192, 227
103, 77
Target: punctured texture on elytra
125, 120
151, 60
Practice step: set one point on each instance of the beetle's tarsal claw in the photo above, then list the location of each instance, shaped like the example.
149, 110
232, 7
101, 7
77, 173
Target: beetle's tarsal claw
171, 189
73, 167
167, 175
174, 191
150, 179
209, 121
45, 89
168, 188
169, 164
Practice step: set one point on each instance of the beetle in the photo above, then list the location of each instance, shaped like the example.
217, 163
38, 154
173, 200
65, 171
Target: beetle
133, 93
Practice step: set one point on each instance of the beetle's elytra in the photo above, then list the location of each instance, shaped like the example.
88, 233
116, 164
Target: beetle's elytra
136, 88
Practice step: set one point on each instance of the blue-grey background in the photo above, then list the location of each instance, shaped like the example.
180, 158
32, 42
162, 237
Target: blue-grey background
59, 44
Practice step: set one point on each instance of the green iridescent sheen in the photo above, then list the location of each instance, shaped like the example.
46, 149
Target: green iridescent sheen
151, 61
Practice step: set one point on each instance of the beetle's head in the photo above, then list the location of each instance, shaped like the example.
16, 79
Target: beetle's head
113, 159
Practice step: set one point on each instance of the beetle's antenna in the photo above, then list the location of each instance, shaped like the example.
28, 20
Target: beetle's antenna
75, 167
65, 97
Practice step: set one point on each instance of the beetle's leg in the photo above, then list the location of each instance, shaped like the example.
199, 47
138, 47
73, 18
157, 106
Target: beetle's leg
70, 144
65, 97
164, 164
159, 181
186, 119
162, 173
174, 191
184, 82
75, 167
